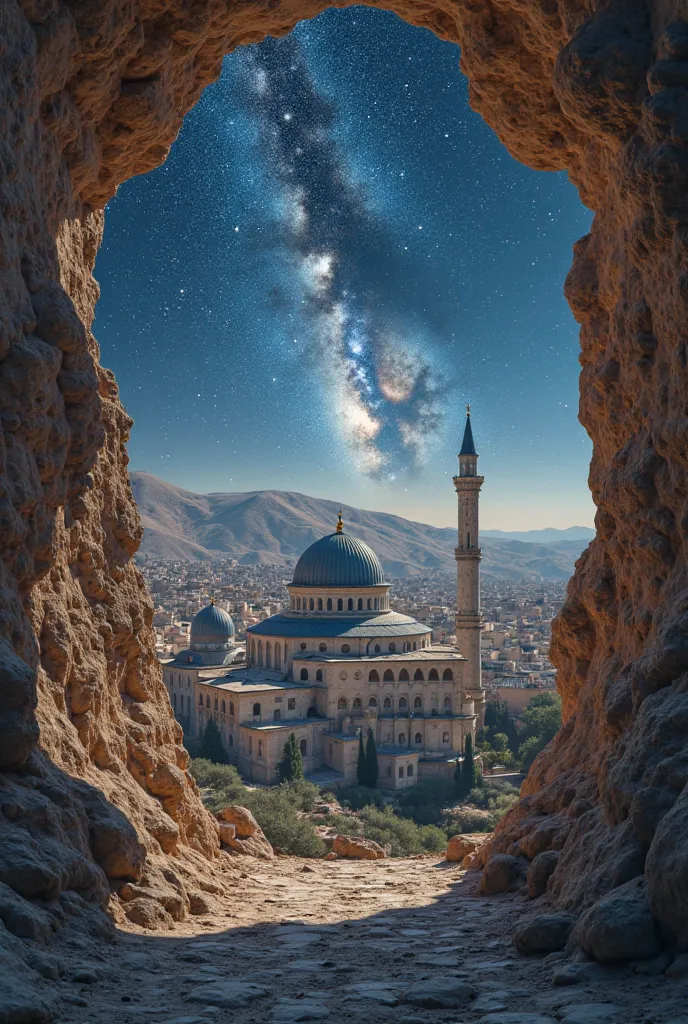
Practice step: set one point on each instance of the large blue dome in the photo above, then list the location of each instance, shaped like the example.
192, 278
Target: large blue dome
338, 561
212, 625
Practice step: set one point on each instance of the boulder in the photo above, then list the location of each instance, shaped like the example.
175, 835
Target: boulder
242, 819
461, 846
440, 993
539, 872
22, 918
253, 845
502, 873
545, 933
620, 926
148, 913
355, 848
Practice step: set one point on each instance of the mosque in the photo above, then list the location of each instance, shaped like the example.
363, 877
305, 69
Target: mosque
339, 661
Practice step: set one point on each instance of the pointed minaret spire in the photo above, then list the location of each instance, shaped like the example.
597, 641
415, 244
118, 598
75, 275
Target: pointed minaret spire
468, 445
340, 524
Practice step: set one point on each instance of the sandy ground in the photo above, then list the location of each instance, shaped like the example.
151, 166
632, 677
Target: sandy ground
350, 941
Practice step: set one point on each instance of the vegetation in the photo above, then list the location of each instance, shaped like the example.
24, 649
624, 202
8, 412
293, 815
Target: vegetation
212, 748
361, 773
290, 767
516, 744
371, 770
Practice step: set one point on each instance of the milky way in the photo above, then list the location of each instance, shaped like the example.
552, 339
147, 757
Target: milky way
383, 395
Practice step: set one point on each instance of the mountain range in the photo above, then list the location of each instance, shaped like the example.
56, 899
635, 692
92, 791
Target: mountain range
276, 526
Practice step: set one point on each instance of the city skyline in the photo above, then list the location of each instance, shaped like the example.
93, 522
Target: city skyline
341, 309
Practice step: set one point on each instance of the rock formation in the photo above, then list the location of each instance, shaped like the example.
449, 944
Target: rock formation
95, 793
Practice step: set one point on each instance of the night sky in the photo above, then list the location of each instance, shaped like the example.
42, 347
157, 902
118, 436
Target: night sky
336, 257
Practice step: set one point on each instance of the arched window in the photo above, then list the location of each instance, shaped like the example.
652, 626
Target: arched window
392, 646
418, 738
231, 707
260, 652
376, 604
372, 703
207, 700
298, 604
401, 771
340, 605
350, 604
414, 645
409, 770
373, 677
341, 704
403, 704
447, 703
345, 648
224, 707
418, 676
253, 650
388, 677
448, 675
418, 702
445, 737
377, 648
277, 714
311, 604
188, 705
320, 604
231, 740
302, 646
304, 675
360, 604
303, 746
322, 648
388, 704
369, 605
268, 654
403, 676
278, 656
256, 710
318, 675
389, 771
402, 739
260, 748
357, 705
433, 675
329, 604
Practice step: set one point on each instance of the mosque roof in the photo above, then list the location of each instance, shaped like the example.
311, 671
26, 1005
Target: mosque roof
338, 560
212, 625
389, 624
468, 445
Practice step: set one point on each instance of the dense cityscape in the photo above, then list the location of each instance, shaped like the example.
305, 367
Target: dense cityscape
517, 616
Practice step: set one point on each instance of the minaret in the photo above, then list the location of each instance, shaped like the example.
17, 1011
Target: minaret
468, 555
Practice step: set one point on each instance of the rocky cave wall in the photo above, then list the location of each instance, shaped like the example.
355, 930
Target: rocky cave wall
94, 791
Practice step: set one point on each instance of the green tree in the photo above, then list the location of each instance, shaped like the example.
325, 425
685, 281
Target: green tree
361, 772
371, 766
468, 767
212, 748
540, 722
500, 741
290, 767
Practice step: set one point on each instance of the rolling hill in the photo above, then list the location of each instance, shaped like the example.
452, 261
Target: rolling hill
275, 527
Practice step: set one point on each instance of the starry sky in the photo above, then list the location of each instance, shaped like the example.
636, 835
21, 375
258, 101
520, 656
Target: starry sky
336, 257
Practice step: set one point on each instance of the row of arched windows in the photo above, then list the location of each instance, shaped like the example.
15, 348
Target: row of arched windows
318, 675
181, 704
387, 704
409, 771
418, 738
272, 657
312, 604
433, 676
217, 705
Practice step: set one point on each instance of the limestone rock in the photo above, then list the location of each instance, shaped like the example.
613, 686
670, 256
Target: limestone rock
242, 819
545, 933
148, 914
539, 871
461, 846
502, 873
255, 843
355, 848
620, 926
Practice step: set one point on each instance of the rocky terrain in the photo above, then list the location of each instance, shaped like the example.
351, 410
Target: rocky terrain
346, 941
275, 527
95, 792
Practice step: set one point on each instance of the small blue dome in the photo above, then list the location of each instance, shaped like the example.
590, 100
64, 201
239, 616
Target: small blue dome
212, 625
338, 561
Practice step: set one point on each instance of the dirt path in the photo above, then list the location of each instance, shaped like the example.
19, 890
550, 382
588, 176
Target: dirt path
403, 941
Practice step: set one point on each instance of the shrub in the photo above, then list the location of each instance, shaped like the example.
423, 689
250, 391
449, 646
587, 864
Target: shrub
357, 797
290, 767
276, 811
212, 748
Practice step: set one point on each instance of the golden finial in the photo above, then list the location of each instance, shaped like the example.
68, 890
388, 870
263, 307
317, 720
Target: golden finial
212, 600
340, 524
468, 410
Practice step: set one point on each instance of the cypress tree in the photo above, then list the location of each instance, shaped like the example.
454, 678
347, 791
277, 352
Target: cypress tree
468, 771
290, 766
212, 746
361, 766
371, 761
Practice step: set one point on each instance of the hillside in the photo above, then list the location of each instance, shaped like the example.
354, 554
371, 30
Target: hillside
275, 527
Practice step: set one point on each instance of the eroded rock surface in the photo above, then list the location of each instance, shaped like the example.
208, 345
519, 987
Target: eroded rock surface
94, 92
